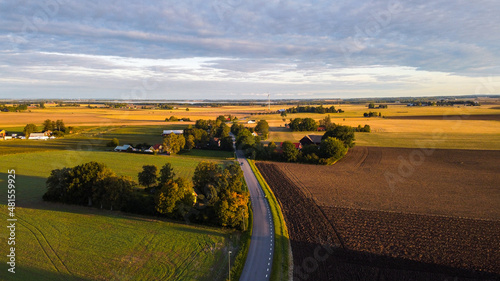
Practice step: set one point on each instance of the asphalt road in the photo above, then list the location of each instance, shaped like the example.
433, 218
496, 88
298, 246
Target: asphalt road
260, 254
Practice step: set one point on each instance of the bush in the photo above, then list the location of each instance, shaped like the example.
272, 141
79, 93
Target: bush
113, 143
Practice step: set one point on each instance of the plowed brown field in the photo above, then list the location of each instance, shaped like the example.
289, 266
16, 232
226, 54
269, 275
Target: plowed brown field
346, 222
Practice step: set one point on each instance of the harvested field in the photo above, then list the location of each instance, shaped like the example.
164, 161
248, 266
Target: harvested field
342, 231
487, 117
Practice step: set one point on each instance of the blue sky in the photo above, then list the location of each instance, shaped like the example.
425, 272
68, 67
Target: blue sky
232, 49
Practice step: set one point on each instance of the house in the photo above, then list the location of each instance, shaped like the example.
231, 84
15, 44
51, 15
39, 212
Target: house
310, 139
126, 147
168, 132
251, 122
38, 136
321, 128
158, 147
255, 134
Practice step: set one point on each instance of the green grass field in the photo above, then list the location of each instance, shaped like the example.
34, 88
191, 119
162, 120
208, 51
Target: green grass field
67, 242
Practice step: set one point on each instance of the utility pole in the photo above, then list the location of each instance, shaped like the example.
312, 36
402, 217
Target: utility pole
229, 262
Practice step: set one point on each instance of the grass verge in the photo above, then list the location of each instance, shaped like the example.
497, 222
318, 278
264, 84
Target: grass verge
240, 259
281, 260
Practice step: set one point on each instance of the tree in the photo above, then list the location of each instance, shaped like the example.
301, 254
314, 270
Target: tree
113, 143
190, 144
262, 128
148, 176
308, 124
245, 139
175, 197
113, 192
332, 148
174, 143
29, 128
47, 125
290, 153
371, 105
343, 133
201, 124
232, 211
226, 144
166, 173
206, 174
84, 178
60, 126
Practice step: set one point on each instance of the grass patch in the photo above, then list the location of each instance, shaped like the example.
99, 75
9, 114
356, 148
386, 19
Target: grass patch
69, 242
205, 153
281, 258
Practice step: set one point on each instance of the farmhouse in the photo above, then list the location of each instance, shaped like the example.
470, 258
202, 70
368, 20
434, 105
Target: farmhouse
310, 139
38, 136
168, 132
158, 147
126, 147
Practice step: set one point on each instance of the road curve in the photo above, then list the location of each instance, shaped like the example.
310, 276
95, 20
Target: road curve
260, 253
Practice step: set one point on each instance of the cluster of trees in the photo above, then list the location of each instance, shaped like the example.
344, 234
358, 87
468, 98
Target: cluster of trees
372, 105
216, 195
91, 184
334, 145
303, 124
313, 109
364, 129
61, 104
14, 108
206, 134
372, 114
57, 125
174, 119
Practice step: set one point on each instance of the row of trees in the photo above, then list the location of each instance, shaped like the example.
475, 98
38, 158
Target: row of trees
216, 195
14, 108
372, 114
313, 109
174, 119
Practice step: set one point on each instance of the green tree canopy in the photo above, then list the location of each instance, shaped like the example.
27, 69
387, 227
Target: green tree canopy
332, 148
149, 175
174, 143
343, 133
29, 128
262, 128
290, 153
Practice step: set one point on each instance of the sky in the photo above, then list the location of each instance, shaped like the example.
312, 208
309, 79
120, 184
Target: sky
237, 49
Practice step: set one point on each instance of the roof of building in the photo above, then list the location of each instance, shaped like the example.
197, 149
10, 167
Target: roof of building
123, 147
316, 139
177, 132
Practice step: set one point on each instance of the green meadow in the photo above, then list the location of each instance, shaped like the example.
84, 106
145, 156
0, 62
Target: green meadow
66, 242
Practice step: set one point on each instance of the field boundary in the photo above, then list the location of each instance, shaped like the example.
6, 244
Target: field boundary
282, 261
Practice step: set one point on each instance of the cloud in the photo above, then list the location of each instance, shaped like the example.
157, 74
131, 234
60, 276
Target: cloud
317, 47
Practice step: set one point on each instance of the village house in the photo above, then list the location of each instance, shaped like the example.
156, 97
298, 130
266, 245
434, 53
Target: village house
311, 139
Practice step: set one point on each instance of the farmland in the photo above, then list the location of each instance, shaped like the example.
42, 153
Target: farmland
65, 242
440, 222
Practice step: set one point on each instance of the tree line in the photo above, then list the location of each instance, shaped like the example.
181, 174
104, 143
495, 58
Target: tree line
216, 195
313, 109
